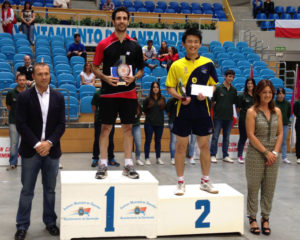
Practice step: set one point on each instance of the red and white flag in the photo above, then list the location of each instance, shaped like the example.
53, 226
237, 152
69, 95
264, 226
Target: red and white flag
287, 28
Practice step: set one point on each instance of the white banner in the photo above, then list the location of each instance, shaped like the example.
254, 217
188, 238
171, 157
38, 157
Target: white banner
4, 151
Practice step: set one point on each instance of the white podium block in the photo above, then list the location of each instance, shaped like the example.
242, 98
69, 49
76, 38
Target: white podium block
199, 212
113, 207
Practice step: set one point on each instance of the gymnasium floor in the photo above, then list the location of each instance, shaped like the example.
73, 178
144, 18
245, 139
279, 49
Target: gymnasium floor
284, 219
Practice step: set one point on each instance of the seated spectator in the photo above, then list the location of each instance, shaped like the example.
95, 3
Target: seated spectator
87, 76
26, 69
27, 18
268, 7
257, 7
163, 51
7, 17
77, 48
108, 5
62, 3
149, 52
171, 57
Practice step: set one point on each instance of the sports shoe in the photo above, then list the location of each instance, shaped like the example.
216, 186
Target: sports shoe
95, 163
228, 159
159, 161
208, 187
173, 161
139, 162
101, 172
113, 162
180, 189
192, 161
241, 160
285, 160
60, 166
298, 160
130, 172
213, 159
147, 161
11, 167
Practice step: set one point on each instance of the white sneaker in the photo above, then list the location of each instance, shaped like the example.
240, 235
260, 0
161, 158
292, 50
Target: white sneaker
241, 160
228, 159
298, 160
173, 161
213, 159
159, 161
60, 166
139, 162
180, 189
208, 187
192, 161
285, 160
147, 161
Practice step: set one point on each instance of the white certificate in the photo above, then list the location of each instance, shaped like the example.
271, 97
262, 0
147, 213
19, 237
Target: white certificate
206, 91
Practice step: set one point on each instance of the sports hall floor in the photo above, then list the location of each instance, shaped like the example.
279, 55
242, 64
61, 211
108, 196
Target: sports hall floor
284, 219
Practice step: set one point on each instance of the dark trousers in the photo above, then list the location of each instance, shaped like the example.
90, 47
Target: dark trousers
158, 130
242, 139
297, 128
30, 169
96, 148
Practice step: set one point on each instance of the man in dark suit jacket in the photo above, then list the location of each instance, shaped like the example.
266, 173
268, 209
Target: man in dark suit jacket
40, 120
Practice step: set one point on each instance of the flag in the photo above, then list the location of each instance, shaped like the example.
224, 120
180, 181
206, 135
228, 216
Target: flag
235, 116
296, 90
251, 71
287, 28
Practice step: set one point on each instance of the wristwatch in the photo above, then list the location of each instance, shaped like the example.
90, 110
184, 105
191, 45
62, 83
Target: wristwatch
275, 153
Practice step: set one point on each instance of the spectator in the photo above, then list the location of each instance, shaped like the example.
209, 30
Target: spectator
296, 109
136, 133
264, 130
77, 48
7, 17
171, 112
96, 101
257, 6
163, 51
27, 18
11, 103
108, 5
245, 101
153, 107
222, 102
171, 57
62, 3
27, 69
149, 52
87, 76
285, 108
268, 7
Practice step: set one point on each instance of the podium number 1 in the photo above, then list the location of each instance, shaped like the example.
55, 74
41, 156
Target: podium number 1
200, 221
110, 204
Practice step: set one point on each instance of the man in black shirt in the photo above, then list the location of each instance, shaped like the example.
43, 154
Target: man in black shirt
27, 70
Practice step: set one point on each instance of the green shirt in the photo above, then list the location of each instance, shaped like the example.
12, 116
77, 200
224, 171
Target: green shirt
245, 101
154, 115
296, 108
96, 102
285, 108
11, 100
224, 100
171, 109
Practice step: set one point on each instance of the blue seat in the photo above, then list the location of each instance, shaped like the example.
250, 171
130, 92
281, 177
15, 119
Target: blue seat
37, 4
217, 6
58, 52
186, 11
60, 60
158, 10
265, 26
9, 52
78, 81
22, 43
285, 16
5, 35
170, 10
184, 5
175, 6
19, 57
220, 14
6, 42
214, 44
6, 78
44, 58
206, 6
203, 49
42, 51
162, 5
149, 79
70, 90
56, 43
142, 9
5, 67
77, 68
247, 73
77, 60
42, 43
56, 38
25, 50
228, 44
138, 4
261, 16
259, 64
241, 45
13, 85
72, 108
53, 79
208, 55
252, 57
150, 6
210, 12
273, 16
290, 10
85, 104
62, 68
197, 11
65, 78
131, 9
296, 16
279, 9
18, 36
232, 50
86, 90
3, 58
127, 4
278, 81
298, 9
267, 72
159, 72
247, 50
196, 6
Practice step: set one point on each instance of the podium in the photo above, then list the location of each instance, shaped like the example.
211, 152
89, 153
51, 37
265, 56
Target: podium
121, 207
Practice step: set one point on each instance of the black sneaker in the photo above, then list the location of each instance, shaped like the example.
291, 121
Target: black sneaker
113, 162
95, 163
20, 234
101, 172
130, 172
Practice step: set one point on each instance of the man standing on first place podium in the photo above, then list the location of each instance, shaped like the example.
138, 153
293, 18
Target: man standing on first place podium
121, 57
193, 115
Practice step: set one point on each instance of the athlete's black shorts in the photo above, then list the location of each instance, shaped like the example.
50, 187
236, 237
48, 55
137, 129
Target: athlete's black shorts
109, 108
185, 127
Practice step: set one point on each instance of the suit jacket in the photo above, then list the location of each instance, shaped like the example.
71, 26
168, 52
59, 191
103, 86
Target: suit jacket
30, 123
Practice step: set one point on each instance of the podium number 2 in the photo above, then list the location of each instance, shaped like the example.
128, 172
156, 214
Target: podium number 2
200, 221
110, 204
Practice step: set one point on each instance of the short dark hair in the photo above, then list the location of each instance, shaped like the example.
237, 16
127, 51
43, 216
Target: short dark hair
192, 31
120, 9
20, 74
149, 41
229, 72
39, 65
280, 90
76, 35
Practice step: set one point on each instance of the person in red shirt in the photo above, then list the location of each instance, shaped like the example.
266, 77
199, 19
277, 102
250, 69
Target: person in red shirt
171, 57
7, 17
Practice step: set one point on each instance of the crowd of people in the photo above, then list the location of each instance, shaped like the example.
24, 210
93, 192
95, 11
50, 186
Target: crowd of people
258, 6
262, 120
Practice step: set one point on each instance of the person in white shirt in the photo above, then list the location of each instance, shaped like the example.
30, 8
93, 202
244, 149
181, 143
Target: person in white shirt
87, 76
62, 3
149, 52
7, 17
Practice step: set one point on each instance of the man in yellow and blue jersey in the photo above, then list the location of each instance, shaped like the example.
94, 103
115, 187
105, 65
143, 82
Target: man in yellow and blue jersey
193, 114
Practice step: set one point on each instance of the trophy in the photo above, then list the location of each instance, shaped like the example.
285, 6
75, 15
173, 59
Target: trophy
120, 70
182, 90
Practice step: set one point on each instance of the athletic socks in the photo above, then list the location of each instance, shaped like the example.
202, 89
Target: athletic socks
128, 161
181, 179
103, 162
205, 179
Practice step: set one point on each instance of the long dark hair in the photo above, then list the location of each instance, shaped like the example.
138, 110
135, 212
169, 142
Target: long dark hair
85, 65
27, 2
3, 5
160, 99
246, 88
163, 50
259, 88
